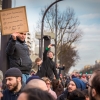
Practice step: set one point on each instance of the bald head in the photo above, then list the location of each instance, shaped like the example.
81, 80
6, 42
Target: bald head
36, 83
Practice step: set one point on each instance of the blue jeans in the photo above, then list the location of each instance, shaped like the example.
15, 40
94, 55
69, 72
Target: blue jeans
24, 77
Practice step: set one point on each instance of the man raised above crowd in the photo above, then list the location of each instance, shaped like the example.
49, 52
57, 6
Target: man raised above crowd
49, 64
47, 67
18, 54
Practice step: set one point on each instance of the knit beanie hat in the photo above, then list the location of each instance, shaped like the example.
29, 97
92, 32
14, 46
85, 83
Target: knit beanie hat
32, 77
79, 83
13, 72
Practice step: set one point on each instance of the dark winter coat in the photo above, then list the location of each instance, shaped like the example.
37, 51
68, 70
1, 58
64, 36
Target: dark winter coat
60, 69
18, 55
63, 96
49, 65
41, 71
9, 95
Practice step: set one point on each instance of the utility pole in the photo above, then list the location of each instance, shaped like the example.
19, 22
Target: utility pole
4, 40
56, 33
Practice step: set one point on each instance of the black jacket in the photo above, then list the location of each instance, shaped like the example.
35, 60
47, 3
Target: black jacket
49, 65
18, 55
41, 71
63, 96
60, 69
9, 95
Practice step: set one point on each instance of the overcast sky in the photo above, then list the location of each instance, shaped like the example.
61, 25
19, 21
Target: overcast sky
88, 13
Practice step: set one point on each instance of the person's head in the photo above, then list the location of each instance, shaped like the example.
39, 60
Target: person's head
50, 54
22, 36
13, 78
35, 94
32, 77
76, 83
57, 87
32, 72
64, 77
88, 77
47, 81
85, 92
75, 74
83, 76
36, 83
76, 95
55, 84
38, 61
58, 65
71, 86
94, 86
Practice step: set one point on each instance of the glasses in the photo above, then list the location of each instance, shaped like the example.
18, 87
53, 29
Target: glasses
89, 85
48, 83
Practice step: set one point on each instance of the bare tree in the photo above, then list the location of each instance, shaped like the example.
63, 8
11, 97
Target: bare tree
68, 56
68, 31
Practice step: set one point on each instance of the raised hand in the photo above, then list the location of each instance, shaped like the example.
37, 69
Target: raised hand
14, 35
50, 45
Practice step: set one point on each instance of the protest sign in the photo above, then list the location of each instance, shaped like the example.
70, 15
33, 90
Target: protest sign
13, 20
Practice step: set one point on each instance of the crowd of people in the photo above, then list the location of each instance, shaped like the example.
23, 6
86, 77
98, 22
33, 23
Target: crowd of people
20, 82
69, 87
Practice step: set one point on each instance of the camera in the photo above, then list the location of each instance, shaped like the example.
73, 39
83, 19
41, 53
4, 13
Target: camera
53, 44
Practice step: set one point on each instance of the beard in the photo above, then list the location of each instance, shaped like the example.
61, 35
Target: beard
14, 86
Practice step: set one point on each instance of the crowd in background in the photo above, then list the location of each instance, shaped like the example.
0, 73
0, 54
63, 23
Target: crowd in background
22, 83
69, 87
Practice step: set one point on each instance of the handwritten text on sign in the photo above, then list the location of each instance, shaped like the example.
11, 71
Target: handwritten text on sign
14, 20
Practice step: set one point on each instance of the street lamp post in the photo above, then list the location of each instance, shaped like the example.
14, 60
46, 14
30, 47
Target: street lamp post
42, 26
56, 33
61, 37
